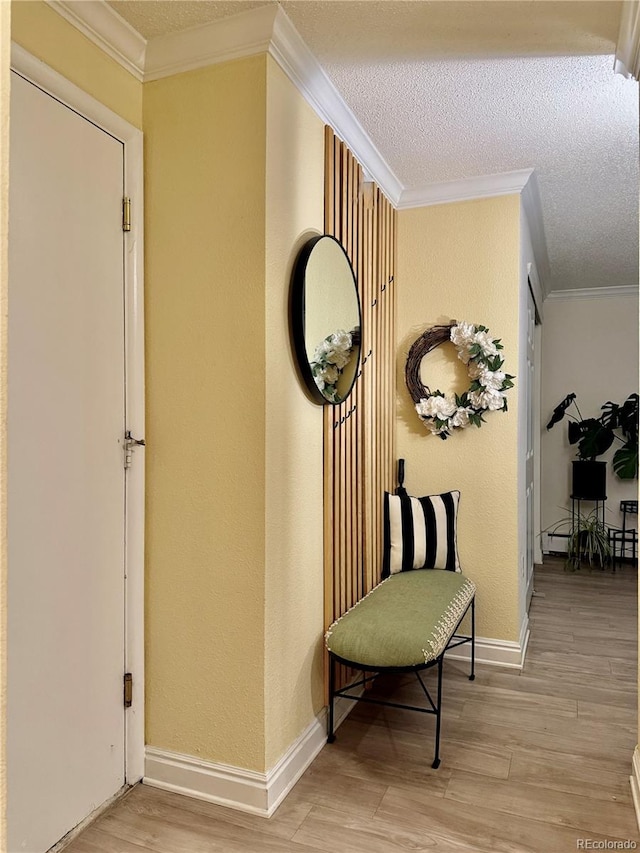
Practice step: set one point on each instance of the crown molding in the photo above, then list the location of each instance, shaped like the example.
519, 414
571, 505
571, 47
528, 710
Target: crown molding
246, 34
625, 290
532, 206
269, 30
522, 182
96, 20
266, 29
305, 72
465, 189
627, 61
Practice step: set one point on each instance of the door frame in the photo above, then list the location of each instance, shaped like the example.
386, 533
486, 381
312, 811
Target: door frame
131, 137
535, 289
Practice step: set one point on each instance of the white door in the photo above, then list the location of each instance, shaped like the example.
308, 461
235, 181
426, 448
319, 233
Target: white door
66, 484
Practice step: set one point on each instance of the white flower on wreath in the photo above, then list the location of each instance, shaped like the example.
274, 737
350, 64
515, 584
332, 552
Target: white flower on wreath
463, 337
442, 414
437, 407
488, 399
485, 343
463, 334
460, 417
492, 380
489, 379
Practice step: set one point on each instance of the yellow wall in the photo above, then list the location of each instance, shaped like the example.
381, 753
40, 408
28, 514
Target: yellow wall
294, 519
45, 34
461, 261
5, 38
234, 178
205, 135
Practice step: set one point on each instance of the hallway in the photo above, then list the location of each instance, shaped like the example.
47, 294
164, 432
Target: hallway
531, 761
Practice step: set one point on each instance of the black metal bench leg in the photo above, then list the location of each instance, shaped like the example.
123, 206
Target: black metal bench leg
332, 689
473, 639
436, 759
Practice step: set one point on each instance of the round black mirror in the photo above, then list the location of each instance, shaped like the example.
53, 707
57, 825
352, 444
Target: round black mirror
326, 320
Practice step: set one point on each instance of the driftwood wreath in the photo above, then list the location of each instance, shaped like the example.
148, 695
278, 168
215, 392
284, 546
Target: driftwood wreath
443, 413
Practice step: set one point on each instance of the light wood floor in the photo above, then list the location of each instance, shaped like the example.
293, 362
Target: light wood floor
531, 761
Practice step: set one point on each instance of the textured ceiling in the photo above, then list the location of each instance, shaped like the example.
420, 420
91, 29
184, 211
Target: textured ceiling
420, 29
570, 118
450, 90
153, 18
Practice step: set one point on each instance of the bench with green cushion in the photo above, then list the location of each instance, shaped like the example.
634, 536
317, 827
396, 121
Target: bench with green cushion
406, 623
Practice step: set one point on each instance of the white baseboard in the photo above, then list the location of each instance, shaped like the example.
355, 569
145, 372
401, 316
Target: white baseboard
217, 783
508, 653
235, 787
635, 783
525, 634
529, 594
262, 793
554, 544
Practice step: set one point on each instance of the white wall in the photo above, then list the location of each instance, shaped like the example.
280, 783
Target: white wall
590, 347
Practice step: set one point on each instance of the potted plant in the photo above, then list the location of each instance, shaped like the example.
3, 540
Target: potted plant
587, 539
593, 437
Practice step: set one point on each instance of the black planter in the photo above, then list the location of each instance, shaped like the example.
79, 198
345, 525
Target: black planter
589, 480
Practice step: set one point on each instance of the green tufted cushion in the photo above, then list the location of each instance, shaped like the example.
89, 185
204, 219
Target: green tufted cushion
406, 620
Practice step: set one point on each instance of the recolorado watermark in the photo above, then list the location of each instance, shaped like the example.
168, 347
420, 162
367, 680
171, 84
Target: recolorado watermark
592, 844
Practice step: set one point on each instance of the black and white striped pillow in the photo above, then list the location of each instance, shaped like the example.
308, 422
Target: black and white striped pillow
420, 533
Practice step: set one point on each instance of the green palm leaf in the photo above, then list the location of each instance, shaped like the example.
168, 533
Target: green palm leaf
625, 462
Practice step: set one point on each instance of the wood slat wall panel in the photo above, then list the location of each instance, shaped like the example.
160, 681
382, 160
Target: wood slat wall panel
359, 433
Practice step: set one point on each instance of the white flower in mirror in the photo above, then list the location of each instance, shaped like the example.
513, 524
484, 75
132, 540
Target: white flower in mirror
330, 358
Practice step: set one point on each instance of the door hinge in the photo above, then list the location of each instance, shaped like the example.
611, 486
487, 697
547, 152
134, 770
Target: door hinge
126, 214
130, 444
128, 689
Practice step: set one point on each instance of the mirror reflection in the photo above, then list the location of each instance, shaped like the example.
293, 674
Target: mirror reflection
328, 320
